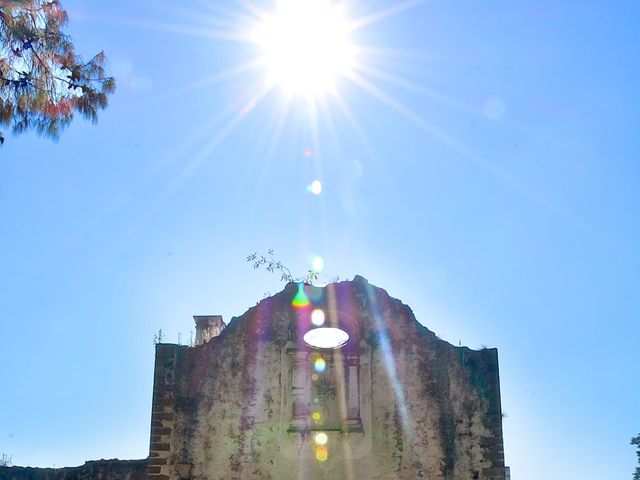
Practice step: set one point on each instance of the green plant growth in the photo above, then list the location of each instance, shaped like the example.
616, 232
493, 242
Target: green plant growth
5, 460
271, 264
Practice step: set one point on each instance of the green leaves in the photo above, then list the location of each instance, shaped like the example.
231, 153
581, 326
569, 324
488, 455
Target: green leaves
271, 264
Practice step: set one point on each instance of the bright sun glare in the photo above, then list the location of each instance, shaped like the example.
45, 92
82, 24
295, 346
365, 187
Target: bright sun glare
305, 46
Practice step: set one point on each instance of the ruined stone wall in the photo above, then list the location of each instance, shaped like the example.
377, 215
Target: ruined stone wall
92, 470
395, 402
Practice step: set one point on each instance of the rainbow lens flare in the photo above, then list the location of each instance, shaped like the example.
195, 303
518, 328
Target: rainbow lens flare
317, 317
300, 300
320, 365
316, 416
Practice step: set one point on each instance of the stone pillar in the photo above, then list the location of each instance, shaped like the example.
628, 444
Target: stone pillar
208, 327
493, 446
162, 412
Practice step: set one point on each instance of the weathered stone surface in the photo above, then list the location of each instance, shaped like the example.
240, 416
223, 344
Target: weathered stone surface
93, 470
395, 402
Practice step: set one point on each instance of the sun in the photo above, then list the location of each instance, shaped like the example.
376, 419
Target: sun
305, 46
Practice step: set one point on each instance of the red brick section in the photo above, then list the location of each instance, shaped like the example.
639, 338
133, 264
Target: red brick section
162, 415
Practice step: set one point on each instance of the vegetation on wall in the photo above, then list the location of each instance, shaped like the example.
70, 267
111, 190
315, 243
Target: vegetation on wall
271, 264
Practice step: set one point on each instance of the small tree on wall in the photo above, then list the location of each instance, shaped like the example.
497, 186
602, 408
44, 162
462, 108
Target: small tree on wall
271, 264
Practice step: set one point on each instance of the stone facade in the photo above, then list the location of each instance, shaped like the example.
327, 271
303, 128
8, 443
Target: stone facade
393, 403
207, 327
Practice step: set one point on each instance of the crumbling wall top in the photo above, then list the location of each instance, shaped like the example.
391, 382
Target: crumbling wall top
208, 327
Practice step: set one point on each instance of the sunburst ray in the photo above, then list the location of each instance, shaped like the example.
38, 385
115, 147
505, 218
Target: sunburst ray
380, 15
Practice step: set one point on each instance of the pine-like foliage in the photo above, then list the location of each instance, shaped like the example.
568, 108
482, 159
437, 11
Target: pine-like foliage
43, 82
636, 442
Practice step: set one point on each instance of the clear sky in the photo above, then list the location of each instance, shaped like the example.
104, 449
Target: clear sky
482, 166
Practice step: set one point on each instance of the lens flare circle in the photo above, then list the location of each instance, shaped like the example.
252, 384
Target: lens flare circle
322, 453
321, 438
326, 337
317, 317
305, 45
320, 365
317, 264
315, 187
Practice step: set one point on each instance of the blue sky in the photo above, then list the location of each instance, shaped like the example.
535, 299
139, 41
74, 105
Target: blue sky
493, 189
